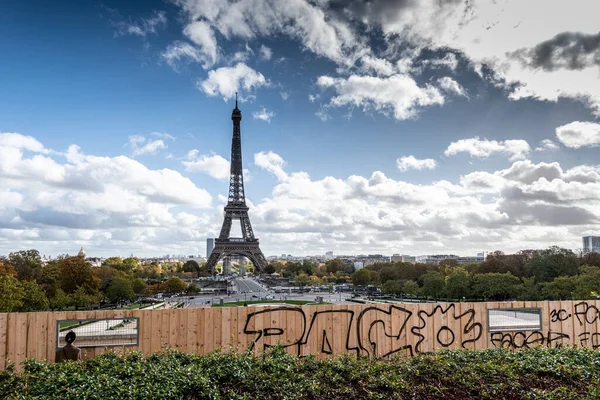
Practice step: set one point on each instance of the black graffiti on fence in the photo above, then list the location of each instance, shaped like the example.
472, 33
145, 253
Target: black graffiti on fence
592, 337
559, 315
266, 323
586, 312
520, 339
470, 327
369, 342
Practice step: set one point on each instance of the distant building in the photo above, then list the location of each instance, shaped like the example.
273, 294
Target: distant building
470, 260
403, 258
81, 253
329, 255
210, 245
358, 265
591, 244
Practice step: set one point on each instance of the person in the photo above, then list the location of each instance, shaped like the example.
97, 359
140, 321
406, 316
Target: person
69, 352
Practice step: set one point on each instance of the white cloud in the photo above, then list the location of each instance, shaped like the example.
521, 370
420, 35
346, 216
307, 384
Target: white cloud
313, 97
143, 27
546, 144
141, 145
410, 162
225, 81
263, 115
491, 32
271, 162
299, 19
265, 52
451, 86
202, 35
398, 94
579, 134
213, 165
185, 52
483, 148
18, 141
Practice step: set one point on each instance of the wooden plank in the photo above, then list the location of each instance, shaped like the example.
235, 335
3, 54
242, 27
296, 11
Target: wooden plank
173, 328
209, 331
155, 334
164, 329
242, 338
33, 336
225, 321
192, 330
579, 323
20, 339
200, 337
145, 331
217, 328
481, 315
339, 321
4, 328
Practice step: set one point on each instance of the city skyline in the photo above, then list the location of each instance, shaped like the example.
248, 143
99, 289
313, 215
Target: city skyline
371, 128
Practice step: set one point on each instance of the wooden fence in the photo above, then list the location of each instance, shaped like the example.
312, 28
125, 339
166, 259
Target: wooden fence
376, 330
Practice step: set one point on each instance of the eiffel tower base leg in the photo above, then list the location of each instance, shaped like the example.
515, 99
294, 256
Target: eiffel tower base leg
249, 250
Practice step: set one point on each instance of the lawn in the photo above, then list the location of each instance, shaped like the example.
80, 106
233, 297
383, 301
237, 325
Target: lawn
253, 302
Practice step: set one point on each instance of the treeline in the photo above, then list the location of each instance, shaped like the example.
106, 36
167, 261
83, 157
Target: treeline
552, 274
26, 284
306, 272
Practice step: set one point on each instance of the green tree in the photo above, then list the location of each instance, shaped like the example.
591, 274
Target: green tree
81, 298
587, 284
191, 266
333, 266
457, 284
591, 258
130, 264
34, 299
269, 269
139, 286
552, 263
27, 263
527, 290
174, 285
434, 284
411, 287
77, 273
11, 294
302, 279
561, 288
361, 277
120, 289
193, 288
60, 300
495, 286
391, 287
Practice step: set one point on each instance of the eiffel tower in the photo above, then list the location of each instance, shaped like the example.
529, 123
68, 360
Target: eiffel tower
236, 208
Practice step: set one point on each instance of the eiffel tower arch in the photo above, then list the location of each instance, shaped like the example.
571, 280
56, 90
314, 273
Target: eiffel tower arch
236, 209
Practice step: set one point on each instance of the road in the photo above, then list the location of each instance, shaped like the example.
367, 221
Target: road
245, 285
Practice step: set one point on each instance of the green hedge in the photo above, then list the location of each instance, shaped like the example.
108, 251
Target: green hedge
565, 373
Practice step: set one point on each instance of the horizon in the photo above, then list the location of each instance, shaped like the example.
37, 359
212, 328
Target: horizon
414, 128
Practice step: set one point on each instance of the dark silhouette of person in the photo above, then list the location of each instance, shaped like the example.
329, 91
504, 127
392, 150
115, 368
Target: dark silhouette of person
69, 352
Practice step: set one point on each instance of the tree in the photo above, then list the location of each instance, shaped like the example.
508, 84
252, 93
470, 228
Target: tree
27, 263
308, 267
361, 277
120, 289
333, 266
174, 285
113, 261
591, 258
60, 300
191, 266
560, 288
302, 280
411, 287
434, 284
34, 299
11, 294
6, 268
587, 284
130, 264
495, 286
457, 284
391, 287
80, 298
552, 263
77, 273
139, 286
269, 269
527, 290
193, 288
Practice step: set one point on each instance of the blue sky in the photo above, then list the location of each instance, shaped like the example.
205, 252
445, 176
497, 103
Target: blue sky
368, 127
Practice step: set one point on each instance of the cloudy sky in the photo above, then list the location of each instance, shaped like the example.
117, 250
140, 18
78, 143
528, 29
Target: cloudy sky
382, 126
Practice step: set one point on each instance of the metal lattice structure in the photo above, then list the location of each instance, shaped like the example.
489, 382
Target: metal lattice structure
237, 209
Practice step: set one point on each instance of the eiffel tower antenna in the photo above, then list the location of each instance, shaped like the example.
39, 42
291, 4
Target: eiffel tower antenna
237, 209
